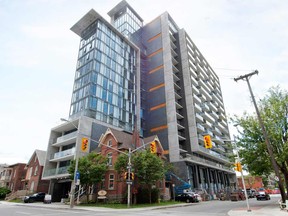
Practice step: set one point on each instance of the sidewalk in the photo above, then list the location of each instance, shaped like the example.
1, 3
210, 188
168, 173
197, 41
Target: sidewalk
271, 210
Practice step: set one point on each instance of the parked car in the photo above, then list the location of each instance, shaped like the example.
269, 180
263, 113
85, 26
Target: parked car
187, 197
262, 195
37, 197
251, 193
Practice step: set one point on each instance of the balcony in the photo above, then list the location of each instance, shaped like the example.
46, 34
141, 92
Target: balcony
197, 108
200, 128
55, 172
179, 126
193, 80
174, 61
174, 54
208, 117
199, 117
175, 77
177, 96
175, 69
197, 99
179, 116
217, 131
173, 45
178, 106
63, 155
205, 107
66, 139
172, 38
213, 107
195, 90
177, 87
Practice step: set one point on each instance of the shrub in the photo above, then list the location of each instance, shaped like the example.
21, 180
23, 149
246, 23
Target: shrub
3, 192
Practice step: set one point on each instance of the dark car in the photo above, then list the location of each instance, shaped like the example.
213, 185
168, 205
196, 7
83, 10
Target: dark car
187, 197
262, 195
37, 197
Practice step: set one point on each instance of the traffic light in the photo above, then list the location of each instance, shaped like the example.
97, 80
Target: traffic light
153, 147
238, 167
207, 141
131, 176
126, 175
84, 144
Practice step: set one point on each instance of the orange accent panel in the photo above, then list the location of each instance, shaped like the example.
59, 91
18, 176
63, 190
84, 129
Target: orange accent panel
159, 128
165, 152
156, 87
158, 106
153, 38
155, 69
154, 53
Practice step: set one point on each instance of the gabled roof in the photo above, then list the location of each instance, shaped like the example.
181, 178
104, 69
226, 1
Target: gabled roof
40, 154
123, 138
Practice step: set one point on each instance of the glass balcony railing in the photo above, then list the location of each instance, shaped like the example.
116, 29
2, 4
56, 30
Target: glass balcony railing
56, 171
63, 153
66, 137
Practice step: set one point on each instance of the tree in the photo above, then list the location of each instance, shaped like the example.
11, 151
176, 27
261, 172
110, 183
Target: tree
273, 109
92, 169
148, 168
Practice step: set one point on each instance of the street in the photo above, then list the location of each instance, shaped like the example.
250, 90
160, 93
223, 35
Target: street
210, 208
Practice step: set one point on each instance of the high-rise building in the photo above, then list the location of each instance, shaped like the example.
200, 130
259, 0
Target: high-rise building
149, 78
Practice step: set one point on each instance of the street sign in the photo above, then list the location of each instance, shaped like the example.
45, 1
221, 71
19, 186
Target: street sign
77, 182
77, 176
129, 182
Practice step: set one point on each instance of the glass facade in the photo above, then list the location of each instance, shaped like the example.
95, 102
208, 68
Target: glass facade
105, 78
127, 22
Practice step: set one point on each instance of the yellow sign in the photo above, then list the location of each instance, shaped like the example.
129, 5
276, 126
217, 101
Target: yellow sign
84, 144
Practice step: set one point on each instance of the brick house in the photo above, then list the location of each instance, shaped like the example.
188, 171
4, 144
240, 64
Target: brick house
17, 174
251, 182
33, 181
114, 184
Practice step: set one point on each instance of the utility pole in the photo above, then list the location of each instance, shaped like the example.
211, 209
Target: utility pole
267, 141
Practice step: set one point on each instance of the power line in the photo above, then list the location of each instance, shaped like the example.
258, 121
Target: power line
231, 69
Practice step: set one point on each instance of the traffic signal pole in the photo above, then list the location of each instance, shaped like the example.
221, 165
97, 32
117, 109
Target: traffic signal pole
129, 182
267, 141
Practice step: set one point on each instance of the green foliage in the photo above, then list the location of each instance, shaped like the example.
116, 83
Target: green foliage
274, 113
149, 168
121, 163
3, 192
92, 168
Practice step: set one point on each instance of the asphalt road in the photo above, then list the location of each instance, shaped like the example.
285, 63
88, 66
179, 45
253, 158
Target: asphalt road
211, 208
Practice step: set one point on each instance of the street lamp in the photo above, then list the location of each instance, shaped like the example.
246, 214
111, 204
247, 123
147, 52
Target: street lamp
73, 185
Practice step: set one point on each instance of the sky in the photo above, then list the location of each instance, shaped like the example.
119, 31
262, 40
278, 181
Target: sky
39, 53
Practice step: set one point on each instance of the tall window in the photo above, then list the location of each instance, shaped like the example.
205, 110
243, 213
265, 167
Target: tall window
110, 142
111, 182
36, 170
109, 156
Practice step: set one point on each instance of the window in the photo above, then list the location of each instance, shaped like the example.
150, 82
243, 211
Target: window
36, 170
111, 182
30, 172
109, 143
109, 156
